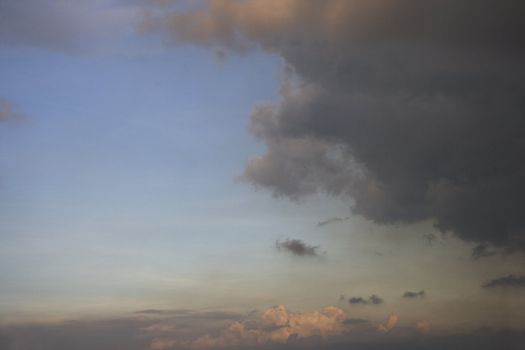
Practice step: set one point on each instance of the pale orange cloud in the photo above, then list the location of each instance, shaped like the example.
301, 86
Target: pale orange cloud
277, 326
391, 322
423, 326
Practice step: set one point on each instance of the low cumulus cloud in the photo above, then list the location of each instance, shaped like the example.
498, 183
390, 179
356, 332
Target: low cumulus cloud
390, 324
297, 247
414, 295
412, 110
423, 326
510, 281
277, 325
372, 300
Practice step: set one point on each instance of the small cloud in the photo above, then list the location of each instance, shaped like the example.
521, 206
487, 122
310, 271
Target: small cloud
414, 295
297, 247
357, 300
331, 220
506, 281
7, 110
372, 300
422, 326
391, 322
482, 251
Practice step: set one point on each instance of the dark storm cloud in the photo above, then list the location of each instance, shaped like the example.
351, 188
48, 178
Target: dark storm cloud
482, 250
414, 295
412, 109
297, 247
507, 281
372, 300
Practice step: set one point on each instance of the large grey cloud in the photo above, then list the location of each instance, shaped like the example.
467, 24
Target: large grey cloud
413, 110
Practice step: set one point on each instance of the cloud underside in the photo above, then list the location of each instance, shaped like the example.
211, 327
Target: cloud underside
510, 281
372, 300
297, 247
412, 110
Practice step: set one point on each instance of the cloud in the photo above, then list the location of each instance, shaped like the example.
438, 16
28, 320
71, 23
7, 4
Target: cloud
372, 300
71, 26
507, 281
391, 322
412, 111
482, 251
7, 110
413, 295
423, 326
331, 220
277, 325
297, 247
326, 329
430, 237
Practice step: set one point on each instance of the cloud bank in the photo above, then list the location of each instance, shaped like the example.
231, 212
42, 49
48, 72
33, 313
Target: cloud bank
412, 110
277, 325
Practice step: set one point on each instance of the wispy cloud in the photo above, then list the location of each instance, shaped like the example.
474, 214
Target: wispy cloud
510, 281
414, 295
331, 220
482, 250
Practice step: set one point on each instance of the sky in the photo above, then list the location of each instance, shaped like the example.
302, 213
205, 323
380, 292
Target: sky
262, 174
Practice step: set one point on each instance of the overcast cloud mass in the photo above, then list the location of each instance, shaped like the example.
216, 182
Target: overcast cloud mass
412, 110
